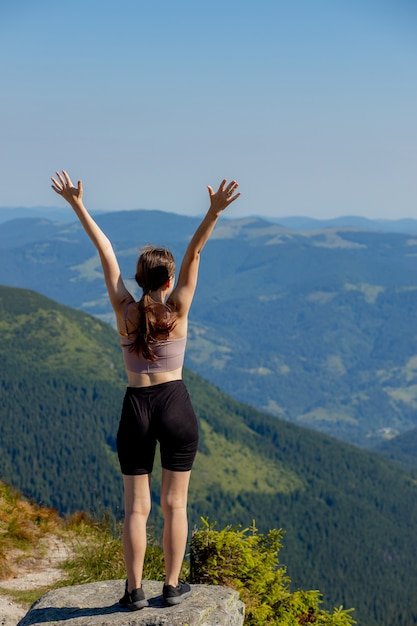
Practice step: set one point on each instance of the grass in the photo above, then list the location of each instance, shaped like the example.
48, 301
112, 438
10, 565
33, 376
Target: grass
95, 545
98, 553
238, 465
26, 598
322, 414
248, 561
77, 338
22, 526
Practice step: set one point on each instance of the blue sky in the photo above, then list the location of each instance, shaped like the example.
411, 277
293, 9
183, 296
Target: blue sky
310, 104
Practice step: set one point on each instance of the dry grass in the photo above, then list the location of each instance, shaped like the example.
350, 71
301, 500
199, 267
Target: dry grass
40, 551
23, 524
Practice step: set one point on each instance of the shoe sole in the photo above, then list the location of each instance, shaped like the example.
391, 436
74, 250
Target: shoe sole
177, 599
135, 606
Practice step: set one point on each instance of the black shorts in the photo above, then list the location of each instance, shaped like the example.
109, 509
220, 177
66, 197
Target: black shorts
161, 413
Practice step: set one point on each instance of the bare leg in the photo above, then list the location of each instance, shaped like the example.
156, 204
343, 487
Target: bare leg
174, 507
137, 502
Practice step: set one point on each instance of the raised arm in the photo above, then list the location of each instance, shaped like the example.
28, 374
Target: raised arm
117, 291
183, 293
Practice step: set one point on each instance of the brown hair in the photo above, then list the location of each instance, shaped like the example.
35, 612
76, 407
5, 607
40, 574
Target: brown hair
154, 268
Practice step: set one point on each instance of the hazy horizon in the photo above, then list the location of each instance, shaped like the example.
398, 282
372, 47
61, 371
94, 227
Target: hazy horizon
67, 215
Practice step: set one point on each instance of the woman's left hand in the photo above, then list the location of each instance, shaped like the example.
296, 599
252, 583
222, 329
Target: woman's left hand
225, 195
65, 188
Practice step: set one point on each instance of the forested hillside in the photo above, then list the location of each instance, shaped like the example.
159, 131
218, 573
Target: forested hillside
348, 515
402, 449
317, 327
61, 381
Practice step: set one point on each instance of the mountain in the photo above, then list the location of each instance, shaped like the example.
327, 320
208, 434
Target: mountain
348, 514
401, 449
315, 327
60, 380
296, 222
51, 213
404, 225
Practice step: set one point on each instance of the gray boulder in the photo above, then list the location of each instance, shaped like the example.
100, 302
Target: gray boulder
96, 604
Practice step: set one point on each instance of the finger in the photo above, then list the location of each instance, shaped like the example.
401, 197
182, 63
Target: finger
61, 179
210, 190
222, 184
80, 188
67, 178
233, 198
230, 189
56, 186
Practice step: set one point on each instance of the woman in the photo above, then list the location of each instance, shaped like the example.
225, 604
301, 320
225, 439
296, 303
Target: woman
156, 405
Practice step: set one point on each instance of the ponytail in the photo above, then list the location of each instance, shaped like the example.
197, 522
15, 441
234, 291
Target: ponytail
154, 324
154, 268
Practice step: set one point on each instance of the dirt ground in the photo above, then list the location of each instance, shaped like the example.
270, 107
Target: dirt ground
32, 573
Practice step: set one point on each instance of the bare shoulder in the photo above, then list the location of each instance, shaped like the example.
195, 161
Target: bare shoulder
179, 319
126, 313
180, 301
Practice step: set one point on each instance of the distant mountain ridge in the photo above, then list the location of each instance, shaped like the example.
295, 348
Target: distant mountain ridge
52, 213
348, 514
317, 327
407, 226
296, 222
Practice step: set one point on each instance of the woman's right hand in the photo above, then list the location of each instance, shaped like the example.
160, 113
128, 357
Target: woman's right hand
225, 195
65, 188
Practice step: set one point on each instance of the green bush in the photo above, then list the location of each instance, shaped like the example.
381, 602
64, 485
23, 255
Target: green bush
247, 561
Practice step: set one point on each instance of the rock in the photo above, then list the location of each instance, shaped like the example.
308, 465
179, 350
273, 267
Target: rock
10, 612
96, 604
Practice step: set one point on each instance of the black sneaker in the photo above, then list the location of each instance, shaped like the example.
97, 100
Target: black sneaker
134, 600
175, 595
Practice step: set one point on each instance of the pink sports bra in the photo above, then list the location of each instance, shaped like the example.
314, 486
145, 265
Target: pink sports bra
169, 353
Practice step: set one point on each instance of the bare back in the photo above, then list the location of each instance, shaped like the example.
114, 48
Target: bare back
170, 352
